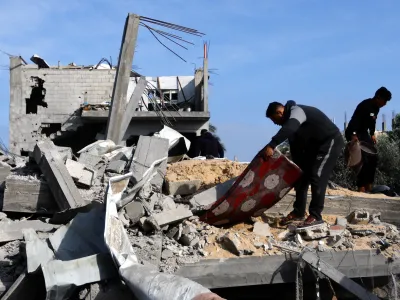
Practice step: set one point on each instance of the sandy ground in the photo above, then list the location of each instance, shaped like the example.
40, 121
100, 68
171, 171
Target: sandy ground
210, 172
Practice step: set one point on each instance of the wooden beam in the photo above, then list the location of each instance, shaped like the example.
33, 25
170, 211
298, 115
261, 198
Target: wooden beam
314, 261
131, 106
118, 100
60, 182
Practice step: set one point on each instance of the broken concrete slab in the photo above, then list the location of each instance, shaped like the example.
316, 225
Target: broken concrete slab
233, 244
37, 251
79, 173
117, 166
187, 187
60, 182
13, 231
167, 203
65, 152
5, 170
262, 229
29, 195
172, 216
61, 277
135, 211
89, 160
313, 233
148, 150
208, 197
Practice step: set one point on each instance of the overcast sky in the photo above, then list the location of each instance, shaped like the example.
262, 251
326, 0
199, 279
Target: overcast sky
329, 54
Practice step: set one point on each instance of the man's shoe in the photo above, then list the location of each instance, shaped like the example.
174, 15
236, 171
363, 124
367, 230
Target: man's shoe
310, 222
290, 218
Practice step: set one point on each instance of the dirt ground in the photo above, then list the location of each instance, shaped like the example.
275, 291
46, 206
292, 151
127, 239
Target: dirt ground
210, 172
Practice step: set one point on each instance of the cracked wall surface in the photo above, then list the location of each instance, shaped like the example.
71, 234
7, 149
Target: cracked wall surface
65, 91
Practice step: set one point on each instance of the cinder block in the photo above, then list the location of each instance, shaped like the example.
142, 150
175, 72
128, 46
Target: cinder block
187, 187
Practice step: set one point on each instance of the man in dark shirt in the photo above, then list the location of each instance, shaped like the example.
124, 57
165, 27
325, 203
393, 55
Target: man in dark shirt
208, 145
362, 128
315, 145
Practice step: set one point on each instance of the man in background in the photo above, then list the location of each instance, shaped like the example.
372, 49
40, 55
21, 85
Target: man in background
208, 145
362, 128
315, 145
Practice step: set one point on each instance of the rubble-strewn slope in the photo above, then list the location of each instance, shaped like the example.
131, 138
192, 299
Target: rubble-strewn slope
210, 172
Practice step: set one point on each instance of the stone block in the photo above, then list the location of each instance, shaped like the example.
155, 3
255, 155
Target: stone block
135, 211
172, 216
187, 187
81, 175
336, 230
117, 166
262, 229
360, 217
233, 244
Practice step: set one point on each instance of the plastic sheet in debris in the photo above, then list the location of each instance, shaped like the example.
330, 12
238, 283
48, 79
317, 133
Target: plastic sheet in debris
178, 144
144, 281
257, 189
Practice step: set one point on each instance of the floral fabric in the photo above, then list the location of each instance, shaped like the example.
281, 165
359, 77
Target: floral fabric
257, 189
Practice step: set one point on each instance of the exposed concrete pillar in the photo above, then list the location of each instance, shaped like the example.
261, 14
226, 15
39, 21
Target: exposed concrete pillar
16, 105
198, 81
205, 85
118, 100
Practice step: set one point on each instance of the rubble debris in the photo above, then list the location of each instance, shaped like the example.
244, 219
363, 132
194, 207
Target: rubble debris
37, 251
5, 170
316, 232
10, 231
364, 230
210, 172
172, 216
375, 218
178, 144
335, 241
79, 173
262, 229
98, 148
144, 158
336, 230
360, 217
167, 203
135, 211
116, 166
60, 182
65, 153
187, 187
28, 194
89, 160
232, 243
211, 195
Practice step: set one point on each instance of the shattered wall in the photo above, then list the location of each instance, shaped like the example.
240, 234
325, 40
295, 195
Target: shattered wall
64, 91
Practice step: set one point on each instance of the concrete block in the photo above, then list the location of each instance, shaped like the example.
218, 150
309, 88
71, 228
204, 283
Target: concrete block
57, 176
120, 156
29, 195
187, 187
262, 229
172, 216
341, 221
208, 197
5, 170
360, 217
89, 160
336, 230
117, 166
233, 244
167, 203
79, 173
65, 152
190, 239
135, 211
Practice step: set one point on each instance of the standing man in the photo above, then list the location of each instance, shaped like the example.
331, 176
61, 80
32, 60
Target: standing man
315, 145
208, 145
362, 128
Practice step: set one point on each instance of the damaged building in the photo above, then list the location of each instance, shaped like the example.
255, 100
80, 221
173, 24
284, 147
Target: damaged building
70, 104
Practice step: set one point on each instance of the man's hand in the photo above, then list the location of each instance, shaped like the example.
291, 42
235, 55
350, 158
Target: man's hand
373, 137
267, 152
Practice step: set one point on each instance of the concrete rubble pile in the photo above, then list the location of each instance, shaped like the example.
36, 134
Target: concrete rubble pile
60, 241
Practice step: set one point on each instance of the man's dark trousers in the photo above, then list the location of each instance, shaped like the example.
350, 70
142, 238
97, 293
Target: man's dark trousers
317, 164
